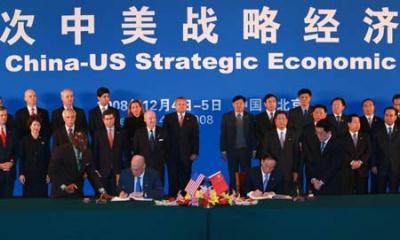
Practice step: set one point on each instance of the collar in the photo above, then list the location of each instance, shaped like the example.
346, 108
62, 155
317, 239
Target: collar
389, 126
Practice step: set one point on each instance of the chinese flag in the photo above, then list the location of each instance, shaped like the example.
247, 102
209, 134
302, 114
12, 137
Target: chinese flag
218, 182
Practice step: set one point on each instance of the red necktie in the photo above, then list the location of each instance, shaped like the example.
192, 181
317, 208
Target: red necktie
33, 112
3, 137
110, 138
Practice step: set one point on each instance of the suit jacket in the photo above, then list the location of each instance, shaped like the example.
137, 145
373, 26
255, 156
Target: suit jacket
377, 123
262, 126
326, 166
106, 158
361, 152
34, 156
96, 120
21, 120
131, 124
60, 135
228, 131
155, 157
152, 187
57, 120
338, 128
254, 181
297, 121
9, 152
310, 146
386, 154
184, 141
63, 169
287, 157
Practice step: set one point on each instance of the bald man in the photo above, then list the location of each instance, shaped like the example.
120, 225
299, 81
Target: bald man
22, 116
140, 181
150, 142
67, 99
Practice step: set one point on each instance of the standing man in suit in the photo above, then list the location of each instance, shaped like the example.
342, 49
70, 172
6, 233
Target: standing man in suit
57, 120
22, 116
396, 105
356, 147
310, 146
264, 179
109, 151
140, 180
183, 135
68, 166
64, 134
386, 153
301, 115
8, 156
265, 120
10, 118
150, 142
282, 144
96, 113
370, 123
337, 119
237, 140
327, 162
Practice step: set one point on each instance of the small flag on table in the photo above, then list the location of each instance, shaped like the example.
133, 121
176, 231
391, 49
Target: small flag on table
218, 182
194, 183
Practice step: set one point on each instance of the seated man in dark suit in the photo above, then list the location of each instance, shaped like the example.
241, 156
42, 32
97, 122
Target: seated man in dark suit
263, 180
69, 165
140, 181
57, 118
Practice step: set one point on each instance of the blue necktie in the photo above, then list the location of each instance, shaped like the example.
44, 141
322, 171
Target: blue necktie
138, 188
266, 182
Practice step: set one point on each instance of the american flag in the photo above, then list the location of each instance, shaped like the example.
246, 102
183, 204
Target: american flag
194, 183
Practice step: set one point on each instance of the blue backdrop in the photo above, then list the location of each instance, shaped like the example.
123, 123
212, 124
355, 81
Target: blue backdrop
35, 34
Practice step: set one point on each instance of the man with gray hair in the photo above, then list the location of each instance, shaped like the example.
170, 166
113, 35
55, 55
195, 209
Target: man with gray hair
67, 99
64, 134
140, 181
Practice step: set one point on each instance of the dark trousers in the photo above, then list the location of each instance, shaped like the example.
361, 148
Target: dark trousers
238, 157
7, 180
110, 183
390, 180
35, 186
179, 174
354, 182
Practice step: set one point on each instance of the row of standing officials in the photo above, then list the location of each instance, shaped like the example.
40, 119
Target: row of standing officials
338, 157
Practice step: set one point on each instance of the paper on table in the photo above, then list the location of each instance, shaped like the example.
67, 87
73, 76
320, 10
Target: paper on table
118, 199
271, 195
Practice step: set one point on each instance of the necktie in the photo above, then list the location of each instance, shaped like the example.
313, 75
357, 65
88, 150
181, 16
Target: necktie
265, 183
102, 109
355, 139
78, 155
32, 112
110, 137
369, 119
390, 130
180, 119
305, 112
152, 139
282, 139
138, 187
338, 120
271, 117
3, 136
322, 146
70, 133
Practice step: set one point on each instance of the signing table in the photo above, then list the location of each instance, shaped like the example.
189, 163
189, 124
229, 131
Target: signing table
336, 217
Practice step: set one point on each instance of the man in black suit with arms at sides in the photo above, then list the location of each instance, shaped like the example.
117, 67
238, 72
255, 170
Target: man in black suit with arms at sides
151, 143
357, 148
22, 116
264, 122
109, 151
183, 135
386, 153
57, 119
301, 116
237, 139
264, 179
8, 156
337, 119
96, 113
282, 144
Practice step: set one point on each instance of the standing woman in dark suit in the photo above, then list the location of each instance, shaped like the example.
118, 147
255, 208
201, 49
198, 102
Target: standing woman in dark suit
34, 161
133, 121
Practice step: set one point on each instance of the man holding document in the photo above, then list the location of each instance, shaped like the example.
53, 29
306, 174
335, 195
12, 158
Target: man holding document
140, 182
